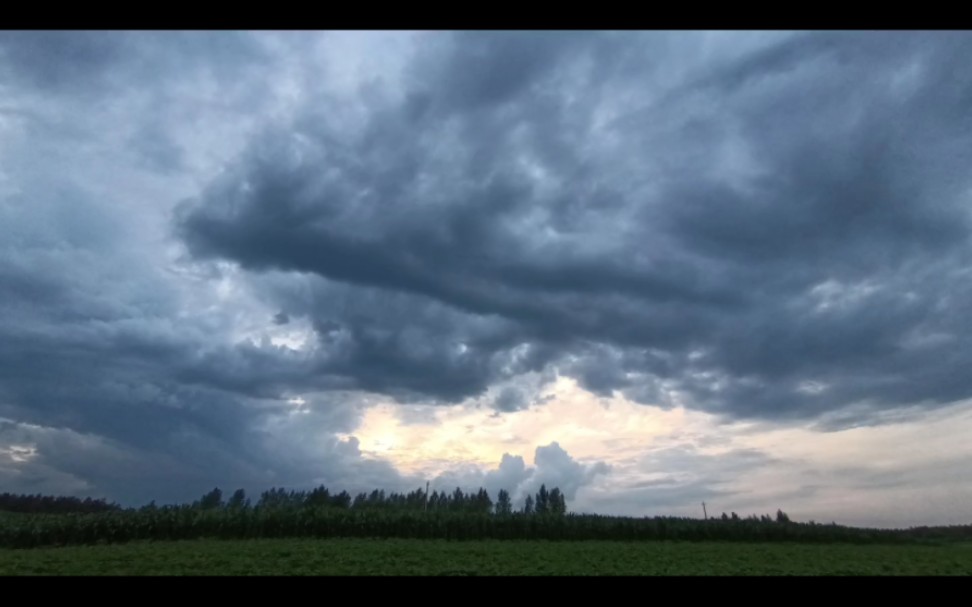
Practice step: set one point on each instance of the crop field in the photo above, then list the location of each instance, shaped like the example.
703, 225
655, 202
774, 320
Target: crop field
352, 556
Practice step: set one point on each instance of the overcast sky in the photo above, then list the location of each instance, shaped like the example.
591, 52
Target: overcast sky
651, 268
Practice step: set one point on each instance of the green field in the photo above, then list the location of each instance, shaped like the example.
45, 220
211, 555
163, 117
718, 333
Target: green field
438, 557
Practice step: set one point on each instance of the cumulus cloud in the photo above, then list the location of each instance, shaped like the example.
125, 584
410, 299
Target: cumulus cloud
553, 467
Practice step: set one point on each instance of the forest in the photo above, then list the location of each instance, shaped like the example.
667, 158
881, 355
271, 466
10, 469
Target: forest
35, 521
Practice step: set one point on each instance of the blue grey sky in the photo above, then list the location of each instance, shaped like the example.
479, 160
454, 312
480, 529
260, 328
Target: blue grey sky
654, 268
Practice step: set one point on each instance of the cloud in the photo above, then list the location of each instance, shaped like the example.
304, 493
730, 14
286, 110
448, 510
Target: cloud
212, 244
125, 371
556, 468
553, 467
773, 219
510, 399
675, 480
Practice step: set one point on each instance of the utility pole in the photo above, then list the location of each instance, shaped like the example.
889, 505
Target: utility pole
704, 513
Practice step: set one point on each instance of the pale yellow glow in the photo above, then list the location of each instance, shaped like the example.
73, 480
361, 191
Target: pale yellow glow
587, 426
810, 473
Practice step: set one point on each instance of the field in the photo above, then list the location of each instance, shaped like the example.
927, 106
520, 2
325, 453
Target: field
490, 557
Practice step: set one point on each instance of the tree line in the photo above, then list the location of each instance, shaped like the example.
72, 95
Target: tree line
186, 522
552, 502
479, 502
49, 504
455, 515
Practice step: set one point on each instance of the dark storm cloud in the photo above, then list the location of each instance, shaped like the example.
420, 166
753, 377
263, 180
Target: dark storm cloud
60, 60
142, 407
74, 62
145, 408
471, 71
112, 381
758, 225
76, 89
778, 232
400, 343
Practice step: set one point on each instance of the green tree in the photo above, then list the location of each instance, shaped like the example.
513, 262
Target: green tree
320, 496
528, 505
212, 500
377, 498
503, 504
481, 502
543, 500
458, 500
341, 500
274, 498
238, 500
557, 505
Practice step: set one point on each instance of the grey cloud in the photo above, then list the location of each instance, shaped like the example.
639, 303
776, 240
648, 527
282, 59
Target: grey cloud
90, 62
680, 253
187, 415
467, 71
59, 60
400, 343
510, 399
678, 479
556, 468
526, 390
757, 225
509, 475
112, 377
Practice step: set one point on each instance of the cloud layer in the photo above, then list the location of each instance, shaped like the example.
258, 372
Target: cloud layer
777, 235
219, 250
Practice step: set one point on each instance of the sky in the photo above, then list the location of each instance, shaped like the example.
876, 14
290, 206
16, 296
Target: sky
654, 269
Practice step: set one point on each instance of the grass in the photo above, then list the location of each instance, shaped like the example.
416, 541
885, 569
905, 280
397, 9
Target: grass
515, 557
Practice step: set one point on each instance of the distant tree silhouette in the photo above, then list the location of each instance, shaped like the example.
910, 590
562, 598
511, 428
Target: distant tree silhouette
528, 505
318, 497
503, 504
238, 500
458, 500
341, 500
557, 504
482, 502
49, 504
212, 500
317, 513
279, 498
543, 501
